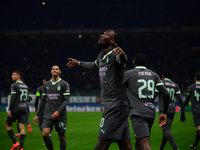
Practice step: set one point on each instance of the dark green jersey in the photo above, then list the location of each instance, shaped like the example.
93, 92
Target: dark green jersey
19, 96
111, 71
174, 92
56, 96
193, 94
141, 83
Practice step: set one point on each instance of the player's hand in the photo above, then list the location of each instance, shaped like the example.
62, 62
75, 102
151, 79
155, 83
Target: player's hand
162, 119
35, 119
9, 114
118, 50
36, 110
72, 62
183, 118
55, 115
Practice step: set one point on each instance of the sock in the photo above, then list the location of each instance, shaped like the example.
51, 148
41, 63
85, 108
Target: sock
63, 145
49, 144
12, 136
22, 138
197, 138
40, 126
18, 127
170, 138
163, 143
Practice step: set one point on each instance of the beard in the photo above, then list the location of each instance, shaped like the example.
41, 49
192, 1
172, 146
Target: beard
103, 46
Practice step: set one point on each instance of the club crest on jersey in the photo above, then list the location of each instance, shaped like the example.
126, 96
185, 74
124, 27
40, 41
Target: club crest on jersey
58, 88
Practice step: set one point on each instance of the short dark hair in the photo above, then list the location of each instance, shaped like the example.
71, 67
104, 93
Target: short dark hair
140, 59
197, 76
167, 74
118, 39
19, 73
58, 67
46, 78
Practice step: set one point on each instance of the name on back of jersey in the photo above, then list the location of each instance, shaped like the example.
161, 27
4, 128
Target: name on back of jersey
144, 73
197, 86
170, 84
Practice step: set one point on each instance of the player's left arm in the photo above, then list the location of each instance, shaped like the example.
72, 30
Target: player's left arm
66, 94
162, 89
188, 96
122, 58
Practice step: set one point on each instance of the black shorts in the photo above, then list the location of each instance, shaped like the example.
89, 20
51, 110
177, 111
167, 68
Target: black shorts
196, 119
60, 125
141, 126
20, 117
168, 124
114, 124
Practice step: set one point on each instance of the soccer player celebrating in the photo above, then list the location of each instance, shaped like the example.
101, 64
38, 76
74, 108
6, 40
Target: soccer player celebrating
17, 109
111, 62
174, 91
141, 83
56, 96
193, 94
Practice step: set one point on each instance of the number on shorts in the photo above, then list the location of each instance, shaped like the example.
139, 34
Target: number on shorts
61, 124
102, 122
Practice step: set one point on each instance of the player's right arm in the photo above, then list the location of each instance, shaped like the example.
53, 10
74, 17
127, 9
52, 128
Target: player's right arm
38, 94
12, 99
42, 104
89, 65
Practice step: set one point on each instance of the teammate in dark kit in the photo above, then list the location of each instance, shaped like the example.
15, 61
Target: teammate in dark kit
27, 118
141, 83
17, 109
111, 63
39, 97
193, 94
174, 91
55, 98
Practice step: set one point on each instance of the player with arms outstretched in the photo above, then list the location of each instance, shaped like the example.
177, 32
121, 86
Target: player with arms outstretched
17, 109
55, 99
111, 63
193, 94
174, 91
141, 84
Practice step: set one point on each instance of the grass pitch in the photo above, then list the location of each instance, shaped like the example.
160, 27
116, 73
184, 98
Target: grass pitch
82, 133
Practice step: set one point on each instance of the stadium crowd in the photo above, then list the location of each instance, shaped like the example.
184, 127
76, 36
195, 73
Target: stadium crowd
35, 54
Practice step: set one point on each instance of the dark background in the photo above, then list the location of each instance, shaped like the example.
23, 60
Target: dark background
171, 39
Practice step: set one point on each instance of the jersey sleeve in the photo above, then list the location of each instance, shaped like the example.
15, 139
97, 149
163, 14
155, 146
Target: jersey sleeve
43, 100
189, 93
13, 96
91, 65
178, 92
162, 90
66, 93
121, 59
38, 94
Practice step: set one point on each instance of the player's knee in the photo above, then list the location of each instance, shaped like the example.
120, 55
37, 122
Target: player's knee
45, 134
62, 137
